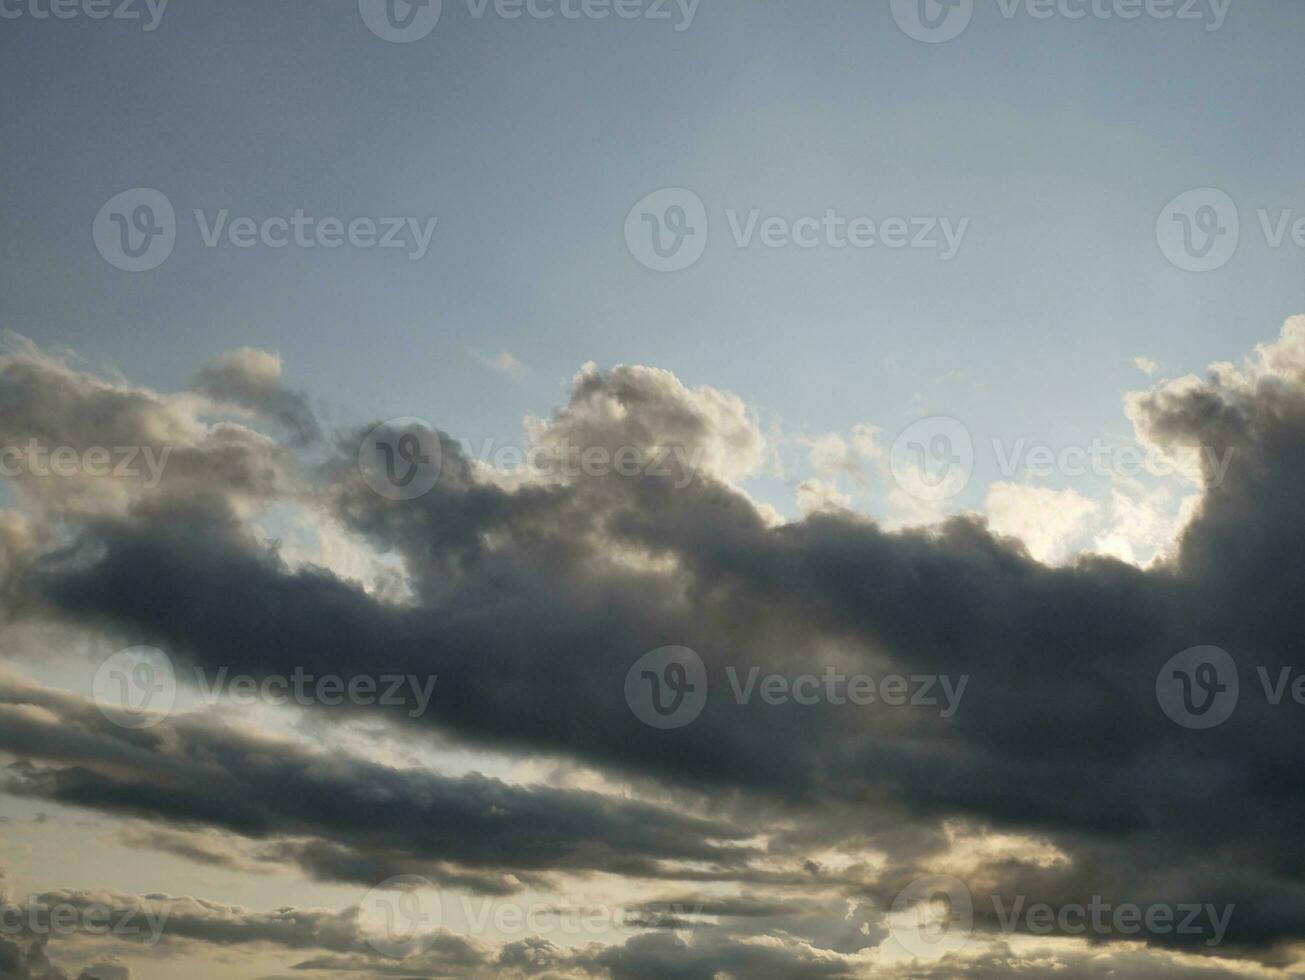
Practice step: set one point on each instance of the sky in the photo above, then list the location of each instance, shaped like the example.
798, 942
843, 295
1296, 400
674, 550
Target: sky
581, 358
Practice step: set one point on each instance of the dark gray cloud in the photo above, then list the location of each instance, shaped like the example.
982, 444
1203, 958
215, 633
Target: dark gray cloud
341, 818
532, 600
251, 379
120, 443
657, 955
176, 922
23, 957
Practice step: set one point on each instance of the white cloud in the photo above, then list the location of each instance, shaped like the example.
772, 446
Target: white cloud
1144, 522
1049, 522
817, 496
833, 455
649, 408
504, 363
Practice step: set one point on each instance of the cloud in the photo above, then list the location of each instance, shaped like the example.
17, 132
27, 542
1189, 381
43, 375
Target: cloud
1049, 522
251, 379
532, 602
217, 850
505, 364
648, 408
816, 496
22, 957
76, 445
657, 955
106, 971
1146, 365
832, 455
338, 818
173, 921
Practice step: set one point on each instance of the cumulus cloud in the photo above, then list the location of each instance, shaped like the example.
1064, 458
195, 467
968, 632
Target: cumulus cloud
814, 496
707, 431
251, 379
531, 602
1049, 522
77, 445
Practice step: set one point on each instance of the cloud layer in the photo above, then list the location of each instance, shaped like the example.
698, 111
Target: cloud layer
530, 599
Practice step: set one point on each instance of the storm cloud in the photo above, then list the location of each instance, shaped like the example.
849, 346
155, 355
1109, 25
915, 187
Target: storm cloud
531, 596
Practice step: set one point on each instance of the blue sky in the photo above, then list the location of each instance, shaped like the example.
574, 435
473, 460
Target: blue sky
529, 139
1053, 143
